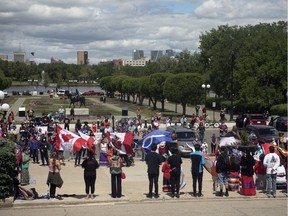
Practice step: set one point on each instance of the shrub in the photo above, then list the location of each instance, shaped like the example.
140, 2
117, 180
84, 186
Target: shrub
7, 167
280, 109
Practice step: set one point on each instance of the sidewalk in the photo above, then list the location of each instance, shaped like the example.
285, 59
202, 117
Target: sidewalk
134, 187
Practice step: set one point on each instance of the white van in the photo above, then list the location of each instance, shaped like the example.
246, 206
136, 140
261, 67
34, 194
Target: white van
60, 92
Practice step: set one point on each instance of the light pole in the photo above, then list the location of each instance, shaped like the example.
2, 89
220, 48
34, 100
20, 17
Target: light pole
232, 84
207, 86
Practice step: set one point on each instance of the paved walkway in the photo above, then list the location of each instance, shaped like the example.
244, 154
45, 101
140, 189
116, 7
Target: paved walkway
134, 187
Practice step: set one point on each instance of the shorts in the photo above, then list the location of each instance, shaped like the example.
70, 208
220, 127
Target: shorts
223, 179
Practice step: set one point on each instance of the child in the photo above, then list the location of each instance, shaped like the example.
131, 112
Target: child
166, 176
204, 147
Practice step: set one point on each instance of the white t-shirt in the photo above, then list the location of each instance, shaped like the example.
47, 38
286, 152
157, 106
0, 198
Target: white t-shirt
271, 162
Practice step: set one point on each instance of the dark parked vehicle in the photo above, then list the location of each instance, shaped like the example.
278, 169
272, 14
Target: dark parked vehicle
250, 119
280, 123
92, 92
184, 136
264, 133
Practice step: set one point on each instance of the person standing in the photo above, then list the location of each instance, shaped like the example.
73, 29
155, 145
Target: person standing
66, 123
115, 164
247, 171
34, 146
25, 167
213, 143
90, 165
271, 162
201, 131
198, 161
44, 151
175, 162
222, 168
153, 161
54, 178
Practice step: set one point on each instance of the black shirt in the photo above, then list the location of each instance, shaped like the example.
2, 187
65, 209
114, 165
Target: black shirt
153, 161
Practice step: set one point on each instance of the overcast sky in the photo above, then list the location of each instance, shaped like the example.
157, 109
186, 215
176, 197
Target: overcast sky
112, 29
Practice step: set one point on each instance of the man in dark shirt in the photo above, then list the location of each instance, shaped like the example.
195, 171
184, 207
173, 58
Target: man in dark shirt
197, 160
153, 161
175, 162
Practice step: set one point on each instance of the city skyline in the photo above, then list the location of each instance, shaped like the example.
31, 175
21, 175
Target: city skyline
112, 29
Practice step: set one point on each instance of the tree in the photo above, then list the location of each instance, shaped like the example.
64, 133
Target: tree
156, 83
7, 167
183, 88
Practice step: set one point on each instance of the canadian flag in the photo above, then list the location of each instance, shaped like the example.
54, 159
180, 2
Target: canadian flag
65, 136
122, 142
89, 140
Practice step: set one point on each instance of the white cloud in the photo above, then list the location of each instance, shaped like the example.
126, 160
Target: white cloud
111, 29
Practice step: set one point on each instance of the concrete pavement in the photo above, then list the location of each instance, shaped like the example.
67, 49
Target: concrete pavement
134, 187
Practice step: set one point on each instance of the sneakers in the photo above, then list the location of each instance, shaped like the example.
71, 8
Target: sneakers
194, 194
220, 194
156, 196
200, 195
177, 195
226, 193
149, 196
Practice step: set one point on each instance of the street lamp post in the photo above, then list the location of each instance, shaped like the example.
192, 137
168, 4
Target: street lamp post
232, 85
207, 86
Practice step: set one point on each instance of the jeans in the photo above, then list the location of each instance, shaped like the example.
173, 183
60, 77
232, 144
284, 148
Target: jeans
116, 185
271, 182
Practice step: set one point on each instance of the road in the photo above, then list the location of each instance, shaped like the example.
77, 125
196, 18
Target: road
263, 207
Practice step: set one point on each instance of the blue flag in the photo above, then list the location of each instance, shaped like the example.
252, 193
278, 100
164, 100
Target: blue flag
155, 137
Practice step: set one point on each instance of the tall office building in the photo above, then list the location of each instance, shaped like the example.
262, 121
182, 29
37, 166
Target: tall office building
156, 55
19, 56
137, 54
82, 57
170, 53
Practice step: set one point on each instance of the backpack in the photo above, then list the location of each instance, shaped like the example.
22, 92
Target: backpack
224, 164
115, 165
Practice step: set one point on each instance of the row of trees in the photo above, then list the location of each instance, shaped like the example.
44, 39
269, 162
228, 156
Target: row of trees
247, 64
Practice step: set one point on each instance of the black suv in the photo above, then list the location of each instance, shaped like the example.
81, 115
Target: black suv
183, 135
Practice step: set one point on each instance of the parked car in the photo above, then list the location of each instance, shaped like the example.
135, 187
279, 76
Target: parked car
60, 92
264, 133
184, 136
281, 172
280, 123
246, 119
92, 92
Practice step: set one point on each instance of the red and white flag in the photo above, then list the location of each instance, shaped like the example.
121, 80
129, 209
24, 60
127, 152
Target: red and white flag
65, 136
122, 142
89, 140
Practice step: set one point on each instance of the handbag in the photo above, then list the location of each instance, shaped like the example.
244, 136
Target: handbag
123, 175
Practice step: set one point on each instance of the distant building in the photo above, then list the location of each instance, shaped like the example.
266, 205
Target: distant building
117, 63
19, 56
82, 58
140, 62
137, 54
156, 55
54, 61
4, 57
170, 53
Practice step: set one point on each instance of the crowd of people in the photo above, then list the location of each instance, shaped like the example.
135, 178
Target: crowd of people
229, 172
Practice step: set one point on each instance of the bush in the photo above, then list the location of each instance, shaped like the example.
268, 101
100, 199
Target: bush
7, 167
280, 109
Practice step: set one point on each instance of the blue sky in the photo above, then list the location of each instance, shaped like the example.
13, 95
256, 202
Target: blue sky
112, 29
